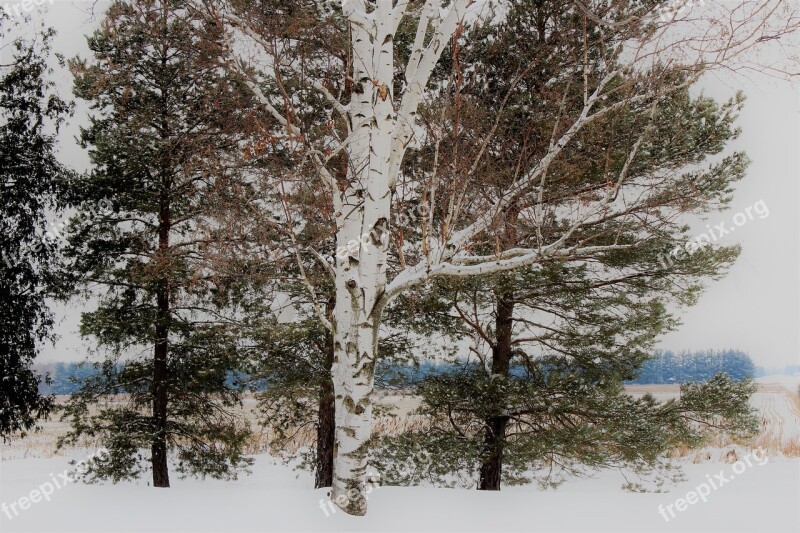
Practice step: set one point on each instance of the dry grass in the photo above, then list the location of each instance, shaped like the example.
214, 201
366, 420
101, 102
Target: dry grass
779, 428
779, 431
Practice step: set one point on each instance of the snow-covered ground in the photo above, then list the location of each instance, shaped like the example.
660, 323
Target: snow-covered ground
763, 496
275, 498
790, 382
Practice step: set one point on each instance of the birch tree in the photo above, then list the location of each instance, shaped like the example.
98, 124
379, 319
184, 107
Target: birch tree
376, 89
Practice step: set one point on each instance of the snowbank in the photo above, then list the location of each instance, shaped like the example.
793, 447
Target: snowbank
275, 498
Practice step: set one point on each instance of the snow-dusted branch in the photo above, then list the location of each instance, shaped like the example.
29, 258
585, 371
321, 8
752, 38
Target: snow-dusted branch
328, 268
253, 85
337, 105
329, 181
513, 259
310, 286
461, 237
418, 72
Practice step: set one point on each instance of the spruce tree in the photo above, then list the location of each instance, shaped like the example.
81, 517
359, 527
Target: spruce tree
33, 187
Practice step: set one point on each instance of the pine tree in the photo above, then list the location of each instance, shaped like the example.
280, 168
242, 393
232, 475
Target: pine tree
166, 119
33, 186
556, 342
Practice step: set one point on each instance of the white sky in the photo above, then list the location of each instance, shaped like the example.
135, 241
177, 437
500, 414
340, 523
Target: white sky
755, 308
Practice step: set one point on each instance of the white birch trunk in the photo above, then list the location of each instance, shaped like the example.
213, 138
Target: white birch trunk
361, 271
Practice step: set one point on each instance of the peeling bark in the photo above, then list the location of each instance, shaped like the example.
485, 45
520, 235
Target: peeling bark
361, 274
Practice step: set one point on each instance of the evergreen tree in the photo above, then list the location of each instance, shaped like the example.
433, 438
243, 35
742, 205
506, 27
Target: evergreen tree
33, 185
166, 120
574, 331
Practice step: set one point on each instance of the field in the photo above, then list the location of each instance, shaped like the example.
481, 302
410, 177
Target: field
762, 496
777, 401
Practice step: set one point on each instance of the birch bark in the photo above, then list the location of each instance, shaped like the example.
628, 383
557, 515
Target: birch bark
361, 270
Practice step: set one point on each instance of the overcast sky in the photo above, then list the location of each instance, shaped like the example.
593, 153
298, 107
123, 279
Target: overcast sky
755, 308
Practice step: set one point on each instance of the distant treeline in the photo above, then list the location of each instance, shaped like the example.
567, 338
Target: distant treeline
664, 367
669, 367
790, 370
63, 378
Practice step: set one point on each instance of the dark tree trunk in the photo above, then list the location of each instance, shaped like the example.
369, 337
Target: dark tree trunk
494, 438
491, 471
159, 445
492, 466
326, 432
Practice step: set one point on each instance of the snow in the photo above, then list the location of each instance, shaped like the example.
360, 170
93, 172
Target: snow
276, 498
790, 382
